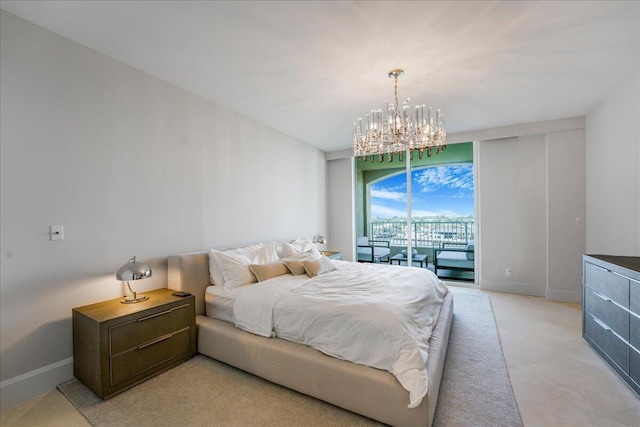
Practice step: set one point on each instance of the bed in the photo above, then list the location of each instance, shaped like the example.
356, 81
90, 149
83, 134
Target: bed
374, 393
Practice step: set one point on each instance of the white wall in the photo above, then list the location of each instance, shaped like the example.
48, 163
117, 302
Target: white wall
130, 165
340, 175
613, 178
566, 212
512, 208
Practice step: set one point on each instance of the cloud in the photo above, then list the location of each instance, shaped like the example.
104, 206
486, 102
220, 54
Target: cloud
432, 179
383, 193
437, 191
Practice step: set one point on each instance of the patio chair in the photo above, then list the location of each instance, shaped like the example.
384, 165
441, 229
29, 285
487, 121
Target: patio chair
455, 260
372, 250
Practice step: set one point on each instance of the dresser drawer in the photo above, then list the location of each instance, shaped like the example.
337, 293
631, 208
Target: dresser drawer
634, 331
634, 366
616, 349
132, 334
149, 355
607, 283
601, 307
634, 297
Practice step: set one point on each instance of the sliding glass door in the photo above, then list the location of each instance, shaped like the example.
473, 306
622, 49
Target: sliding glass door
416, 217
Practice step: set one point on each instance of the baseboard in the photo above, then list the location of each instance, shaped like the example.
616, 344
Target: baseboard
513, 288
565, 296
34, 383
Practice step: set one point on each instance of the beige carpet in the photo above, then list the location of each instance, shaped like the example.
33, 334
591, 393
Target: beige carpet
203, 392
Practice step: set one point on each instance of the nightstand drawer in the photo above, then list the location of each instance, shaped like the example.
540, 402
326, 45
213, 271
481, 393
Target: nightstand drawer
149, 355
607, 283
132, 334
604, 309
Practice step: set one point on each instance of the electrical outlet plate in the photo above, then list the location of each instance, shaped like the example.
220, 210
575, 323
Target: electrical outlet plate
57, 232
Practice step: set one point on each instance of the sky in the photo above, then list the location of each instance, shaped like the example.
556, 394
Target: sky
441, 190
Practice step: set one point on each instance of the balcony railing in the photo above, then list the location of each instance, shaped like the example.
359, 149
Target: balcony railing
425, 233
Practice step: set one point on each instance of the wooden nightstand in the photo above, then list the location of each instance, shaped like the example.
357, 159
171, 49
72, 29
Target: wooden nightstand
332, 255
116, 346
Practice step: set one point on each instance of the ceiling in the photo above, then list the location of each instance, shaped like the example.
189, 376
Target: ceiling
310, 68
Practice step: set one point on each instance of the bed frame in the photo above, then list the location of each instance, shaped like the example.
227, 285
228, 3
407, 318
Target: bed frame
371, 392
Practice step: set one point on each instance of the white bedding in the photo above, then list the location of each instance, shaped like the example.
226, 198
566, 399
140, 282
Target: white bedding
378, 316
219, 301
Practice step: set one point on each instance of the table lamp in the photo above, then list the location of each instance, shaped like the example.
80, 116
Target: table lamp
319, 239
133, 270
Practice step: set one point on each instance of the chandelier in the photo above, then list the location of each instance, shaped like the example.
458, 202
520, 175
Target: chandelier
393, 131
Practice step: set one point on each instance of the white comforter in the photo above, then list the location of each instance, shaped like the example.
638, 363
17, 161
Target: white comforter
378, 316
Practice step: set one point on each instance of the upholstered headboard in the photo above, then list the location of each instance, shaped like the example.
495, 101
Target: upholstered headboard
189, 272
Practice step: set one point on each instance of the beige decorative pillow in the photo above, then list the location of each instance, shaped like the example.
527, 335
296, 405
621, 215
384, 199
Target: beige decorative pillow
295, 266
319, 266
294, 262
268, 271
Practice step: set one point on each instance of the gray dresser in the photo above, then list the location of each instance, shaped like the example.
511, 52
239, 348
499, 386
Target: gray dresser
611, 312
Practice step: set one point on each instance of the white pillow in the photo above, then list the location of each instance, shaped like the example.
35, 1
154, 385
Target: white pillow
300, 246
215, 271
235, 268
279, 249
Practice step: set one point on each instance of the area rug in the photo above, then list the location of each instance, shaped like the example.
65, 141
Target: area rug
475, 389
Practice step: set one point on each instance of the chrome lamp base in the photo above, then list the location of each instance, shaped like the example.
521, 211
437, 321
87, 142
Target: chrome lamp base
132, 299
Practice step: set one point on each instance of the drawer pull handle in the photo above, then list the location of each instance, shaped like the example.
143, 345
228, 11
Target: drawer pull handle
618, 274
162, 313
601, 268
599, 295
601, 323
155, 341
